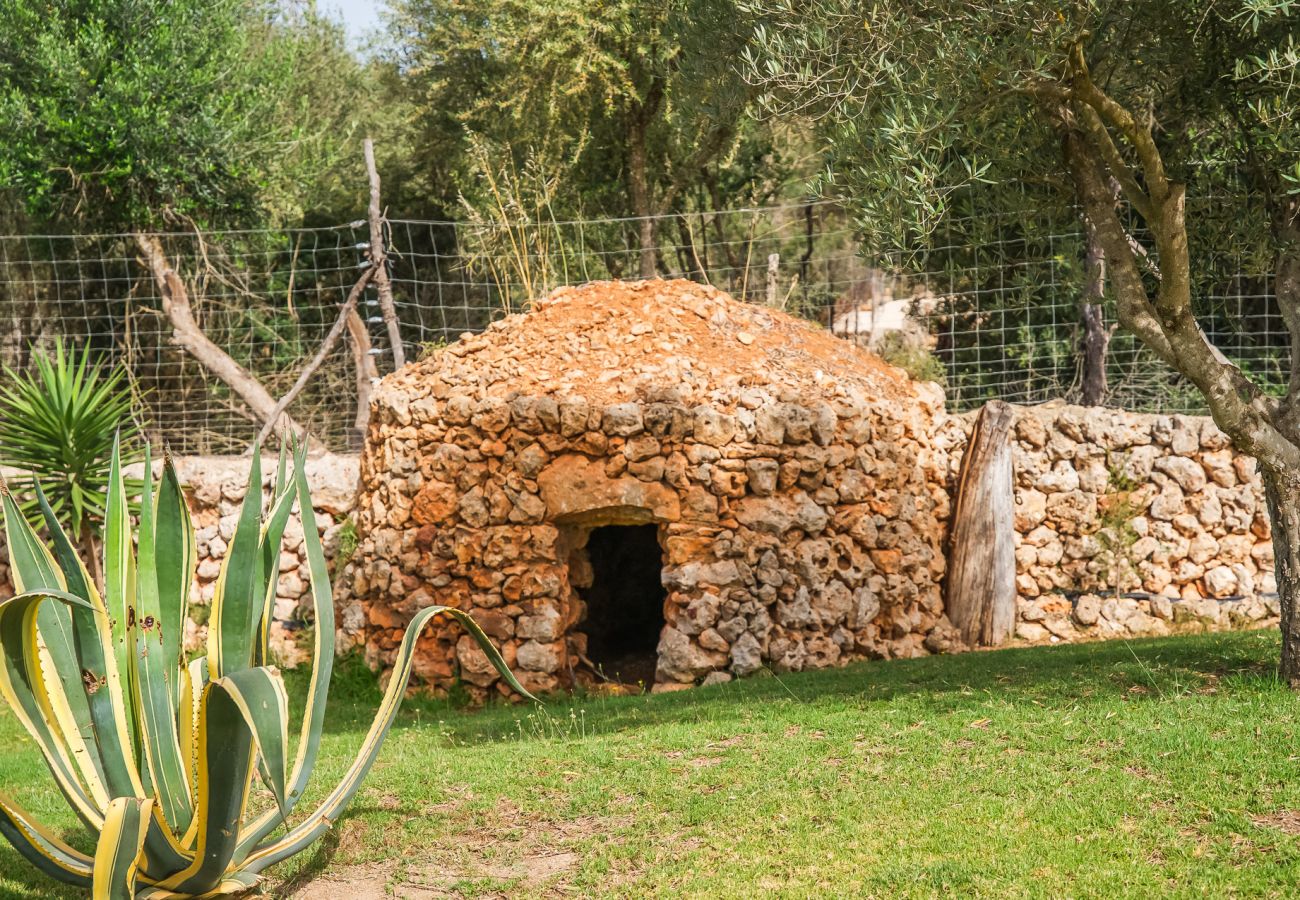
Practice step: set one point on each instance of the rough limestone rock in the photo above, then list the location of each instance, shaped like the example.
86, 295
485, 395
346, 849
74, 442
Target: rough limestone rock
798, 486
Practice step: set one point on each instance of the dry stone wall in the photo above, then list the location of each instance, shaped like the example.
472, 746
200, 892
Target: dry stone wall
215, 486
1131, 524
796, 533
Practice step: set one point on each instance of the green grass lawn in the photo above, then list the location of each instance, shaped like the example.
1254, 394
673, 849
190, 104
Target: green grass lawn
1163, 767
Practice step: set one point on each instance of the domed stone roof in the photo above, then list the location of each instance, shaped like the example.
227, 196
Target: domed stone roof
610, 342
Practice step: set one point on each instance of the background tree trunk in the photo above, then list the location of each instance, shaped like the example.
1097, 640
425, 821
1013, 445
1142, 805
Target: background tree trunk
639, 187
1096, 336
638, 175
981, 591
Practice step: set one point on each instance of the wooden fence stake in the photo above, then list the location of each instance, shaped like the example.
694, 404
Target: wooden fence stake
379, 259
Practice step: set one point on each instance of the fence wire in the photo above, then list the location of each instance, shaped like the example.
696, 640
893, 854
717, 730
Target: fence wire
994, 301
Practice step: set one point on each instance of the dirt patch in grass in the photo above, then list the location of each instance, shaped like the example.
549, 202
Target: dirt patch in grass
354, 882
534, 873
510, 855
1284, 820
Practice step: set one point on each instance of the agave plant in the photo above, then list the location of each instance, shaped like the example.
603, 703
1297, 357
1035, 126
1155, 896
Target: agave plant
156, 755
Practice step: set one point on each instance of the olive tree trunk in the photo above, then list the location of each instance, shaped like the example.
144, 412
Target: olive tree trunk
1282, 491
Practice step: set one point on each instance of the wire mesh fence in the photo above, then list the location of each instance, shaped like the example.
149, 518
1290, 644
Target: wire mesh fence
994, 301
266, 298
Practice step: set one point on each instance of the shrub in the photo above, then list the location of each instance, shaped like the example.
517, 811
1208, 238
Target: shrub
348, 541
57, 424
157, 756
1115, 533
902, 350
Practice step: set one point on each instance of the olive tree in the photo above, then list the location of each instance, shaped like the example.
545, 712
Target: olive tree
1139, 102
634, 103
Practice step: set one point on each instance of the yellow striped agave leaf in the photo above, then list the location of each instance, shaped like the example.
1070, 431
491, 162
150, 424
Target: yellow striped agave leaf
120, 849
157, 755
42, 848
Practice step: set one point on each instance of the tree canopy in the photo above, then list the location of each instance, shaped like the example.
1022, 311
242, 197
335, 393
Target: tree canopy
633, 107
128, 113
916, 100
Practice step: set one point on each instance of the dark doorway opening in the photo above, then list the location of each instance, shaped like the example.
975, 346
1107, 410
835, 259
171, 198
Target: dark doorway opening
625, 602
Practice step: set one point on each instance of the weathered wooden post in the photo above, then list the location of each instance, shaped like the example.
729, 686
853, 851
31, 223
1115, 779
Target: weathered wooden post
773, 273
981, 590
379, 259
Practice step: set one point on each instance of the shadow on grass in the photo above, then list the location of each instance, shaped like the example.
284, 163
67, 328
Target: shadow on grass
37, 885
1060, 675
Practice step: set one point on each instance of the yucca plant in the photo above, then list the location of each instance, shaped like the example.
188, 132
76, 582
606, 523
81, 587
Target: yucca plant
57, 425
155, 755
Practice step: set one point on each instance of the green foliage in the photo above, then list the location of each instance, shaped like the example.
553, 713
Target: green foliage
57, 425
1117, 476
1115, 532
915, 359
647, 117
347, 543
154, 755
200, 614
131, 113
433, 348
941, 132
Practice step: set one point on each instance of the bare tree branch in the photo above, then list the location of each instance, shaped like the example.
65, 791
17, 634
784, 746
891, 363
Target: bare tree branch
190, 337
335, 332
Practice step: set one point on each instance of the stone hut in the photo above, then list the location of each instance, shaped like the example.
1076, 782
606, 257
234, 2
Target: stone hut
652, 482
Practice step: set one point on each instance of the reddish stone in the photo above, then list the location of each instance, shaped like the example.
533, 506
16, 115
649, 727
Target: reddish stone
424, 537
573, 485
887, 561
